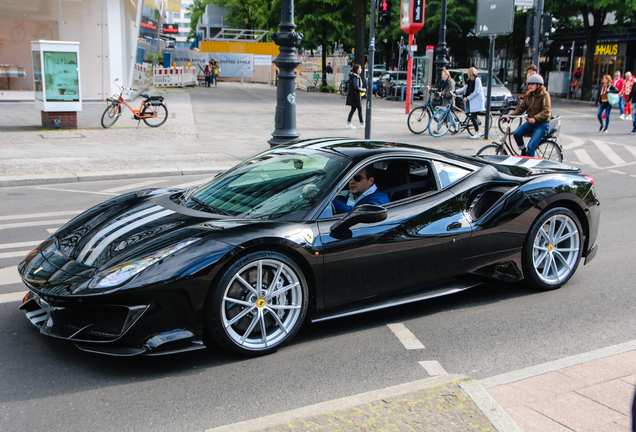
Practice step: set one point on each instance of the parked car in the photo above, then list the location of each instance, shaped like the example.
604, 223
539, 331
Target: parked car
241, 261
393, 81
500, 95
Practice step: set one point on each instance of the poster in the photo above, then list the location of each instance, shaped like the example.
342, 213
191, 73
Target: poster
231, 64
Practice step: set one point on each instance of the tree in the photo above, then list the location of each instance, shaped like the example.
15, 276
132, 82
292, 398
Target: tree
196, 10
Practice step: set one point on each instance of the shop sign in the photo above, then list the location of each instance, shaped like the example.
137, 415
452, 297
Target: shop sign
606, 49
171, 28
148, 24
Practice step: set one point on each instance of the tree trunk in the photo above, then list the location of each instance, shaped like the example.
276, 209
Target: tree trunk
324, 56
360, 27
591, 33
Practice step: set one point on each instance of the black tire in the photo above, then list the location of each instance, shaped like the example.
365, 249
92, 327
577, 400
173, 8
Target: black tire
237, 315
490, 149
514, 123
439, 124
418, 119
549, 150
159, 119
553, 249
111, 115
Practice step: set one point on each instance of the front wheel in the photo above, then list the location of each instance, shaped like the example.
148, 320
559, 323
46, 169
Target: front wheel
440, 123
553, 249
159, 112
111, 115
549, 150
513, 123
490, 149
259, 304
418, 120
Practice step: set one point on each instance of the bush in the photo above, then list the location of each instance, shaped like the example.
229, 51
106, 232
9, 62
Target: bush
328, 88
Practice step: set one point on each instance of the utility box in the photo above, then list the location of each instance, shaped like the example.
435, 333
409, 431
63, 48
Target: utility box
56, 80
559, 83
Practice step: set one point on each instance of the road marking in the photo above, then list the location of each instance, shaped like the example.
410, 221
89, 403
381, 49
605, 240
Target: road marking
617, 172
608, 152
584, 157
9, 276
433, 368
631, 149
134, 186
77, 190
41, 215
52, 230
12, 297
30, 224
405, 336
14, 254
191, 184
19, 245
576, 142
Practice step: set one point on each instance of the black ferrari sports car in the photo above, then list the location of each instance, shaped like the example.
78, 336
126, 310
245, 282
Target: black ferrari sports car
243, 260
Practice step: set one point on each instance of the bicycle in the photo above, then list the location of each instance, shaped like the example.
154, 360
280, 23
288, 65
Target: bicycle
344, 87
446, 119
420, 116
41, 32
503, 114
152, 109
548, 148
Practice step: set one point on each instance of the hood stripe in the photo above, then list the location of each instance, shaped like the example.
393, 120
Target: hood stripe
108, 240
110, 228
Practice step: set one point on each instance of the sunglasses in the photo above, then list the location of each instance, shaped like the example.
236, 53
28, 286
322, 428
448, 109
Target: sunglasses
358, 177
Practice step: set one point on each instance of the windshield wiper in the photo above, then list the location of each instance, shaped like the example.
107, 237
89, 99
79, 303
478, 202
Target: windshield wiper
209, 208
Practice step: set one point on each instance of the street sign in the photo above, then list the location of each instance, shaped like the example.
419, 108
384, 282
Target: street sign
412, 15
524, 3
494, 17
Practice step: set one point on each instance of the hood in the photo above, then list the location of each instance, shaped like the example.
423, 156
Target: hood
522, 166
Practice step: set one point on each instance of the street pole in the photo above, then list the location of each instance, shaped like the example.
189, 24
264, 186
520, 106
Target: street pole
571, 67
367, 123
442, 51
409, 73
491, 60
287, 39
537, 34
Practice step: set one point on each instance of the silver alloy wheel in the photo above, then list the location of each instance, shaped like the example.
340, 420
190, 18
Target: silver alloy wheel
262, 304
556, 249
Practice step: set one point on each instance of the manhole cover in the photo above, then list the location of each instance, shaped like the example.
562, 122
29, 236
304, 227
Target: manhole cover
62, 135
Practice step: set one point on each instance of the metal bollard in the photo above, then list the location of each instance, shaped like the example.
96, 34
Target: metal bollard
241, 77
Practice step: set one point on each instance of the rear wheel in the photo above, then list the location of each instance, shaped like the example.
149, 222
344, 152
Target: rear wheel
549, 150
440, 123
553, 249
418, 120
160, 117
259, 304
490, 149
111, 115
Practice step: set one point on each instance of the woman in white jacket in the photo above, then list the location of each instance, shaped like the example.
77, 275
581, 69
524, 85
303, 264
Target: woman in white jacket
474, 98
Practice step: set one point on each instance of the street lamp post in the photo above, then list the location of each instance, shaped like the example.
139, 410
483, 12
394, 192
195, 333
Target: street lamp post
442, 50
287, 40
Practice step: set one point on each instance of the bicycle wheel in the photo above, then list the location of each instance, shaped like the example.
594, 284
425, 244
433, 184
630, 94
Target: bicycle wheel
490, 149
161, 115
439, 124
514, 123
18, 33
419, 119
111, 115
343, 88
549, 150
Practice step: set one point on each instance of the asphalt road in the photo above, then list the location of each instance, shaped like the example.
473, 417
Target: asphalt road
47, 384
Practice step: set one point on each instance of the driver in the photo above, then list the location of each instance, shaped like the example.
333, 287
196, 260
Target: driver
536, 104
363, 191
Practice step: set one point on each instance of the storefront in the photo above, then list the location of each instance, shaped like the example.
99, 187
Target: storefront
113, 35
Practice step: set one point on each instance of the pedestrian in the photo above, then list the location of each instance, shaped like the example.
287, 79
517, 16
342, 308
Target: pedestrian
446, 88
216, 71
628, 83
354, 95
530, 70
618, 83
474, 98
575, 82
602, 101
207, 74
328, 69
631, 98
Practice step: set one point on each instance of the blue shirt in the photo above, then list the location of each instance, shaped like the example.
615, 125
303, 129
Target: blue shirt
371, 196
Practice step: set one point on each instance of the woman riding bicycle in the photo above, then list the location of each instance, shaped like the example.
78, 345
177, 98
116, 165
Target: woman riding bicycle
536, 105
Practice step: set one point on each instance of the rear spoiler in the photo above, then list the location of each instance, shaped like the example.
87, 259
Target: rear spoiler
527, 166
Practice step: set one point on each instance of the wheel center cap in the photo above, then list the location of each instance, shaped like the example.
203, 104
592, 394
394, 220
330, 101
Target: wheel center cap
550, 247
261, 302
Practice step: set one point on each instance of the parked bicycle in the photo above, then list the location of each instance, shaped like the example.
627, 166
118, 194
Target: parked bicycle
152, 110
344, 87
548, 148
447, 119
420, 116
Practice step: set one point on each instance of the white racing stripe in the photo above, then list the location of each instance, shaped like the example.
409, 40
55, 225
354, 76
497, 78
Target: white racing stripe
40, 215
510, 160
134, 186
9, 276
33, 223
405, 336
529, 163
12, 297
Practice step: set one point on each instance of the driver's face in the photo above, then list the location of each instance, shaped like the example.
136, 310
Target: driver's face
363, 184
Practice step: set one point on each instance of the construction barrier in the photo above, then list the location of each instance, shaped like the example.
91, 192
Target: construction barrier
174, 77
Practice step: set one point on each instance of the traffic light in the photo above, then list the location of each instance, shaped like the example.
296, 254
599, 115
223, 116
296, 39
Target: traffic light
546, 25
530, 30
384, 14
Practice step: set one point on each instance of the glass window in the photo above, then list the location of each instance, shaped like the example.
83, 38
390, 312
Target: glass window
61, 76
176, 15
187, 15
449, 174
37, 76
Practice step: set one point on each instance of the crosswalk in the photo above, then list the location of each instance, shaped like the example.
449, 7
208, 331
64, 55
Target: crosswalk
600, 154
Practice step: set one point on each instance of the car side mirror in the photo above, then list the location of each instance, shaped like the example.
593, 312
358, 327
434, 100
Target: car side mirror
365, 213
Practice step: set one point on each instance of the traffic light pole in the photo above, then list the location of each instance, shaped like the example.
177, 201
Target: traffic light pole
371, 61
537, 34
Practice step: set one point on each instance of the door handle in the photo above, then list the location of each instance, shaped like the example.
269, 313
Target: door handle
454, 226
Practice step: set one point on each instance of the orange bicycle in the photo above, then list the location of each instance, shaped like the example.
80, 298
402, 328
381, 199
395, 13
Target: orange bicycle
152, 110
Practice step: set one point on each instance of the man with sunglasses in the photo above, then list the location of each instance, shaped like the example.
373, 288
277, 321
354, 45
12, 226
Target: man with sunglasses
363, 191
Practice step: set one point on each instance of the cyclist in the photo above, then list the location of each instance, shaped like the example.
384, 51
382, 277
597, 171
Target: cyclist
536, 104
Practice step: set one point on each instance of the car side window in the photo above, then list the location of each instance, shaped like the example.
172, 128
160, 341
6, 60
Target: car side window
404, 178
449, 174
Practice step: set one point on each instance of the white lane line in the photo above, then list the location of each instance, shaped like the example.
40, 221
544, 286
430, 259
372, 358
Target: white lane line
77, 190
584, 157
10, 275
134, 186
576, 142
194, 183
19, 245
608, 152
631, 149
17, 254
52, 230
433, 368
405, 336
617, 172
12, 297
30, 224
41, 215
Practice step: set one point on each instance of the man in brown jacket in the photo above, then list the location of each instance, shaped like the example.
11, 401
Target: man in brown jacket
536, 104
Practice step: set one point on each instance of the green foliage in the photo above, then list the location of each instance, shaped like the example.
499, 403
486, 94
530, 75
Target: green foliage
324, 22
330, 88
196, 10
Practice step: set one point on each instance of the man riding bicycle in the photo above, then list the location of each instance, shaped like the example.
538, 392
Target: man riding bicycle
536, 104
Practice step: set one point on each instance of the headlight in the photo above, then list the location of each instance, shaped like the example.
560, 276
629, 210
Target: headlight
124, 272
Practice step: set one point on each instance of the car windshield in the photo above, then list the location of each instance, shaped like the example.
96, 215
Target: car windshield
462, 78
276, 184
484, 79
